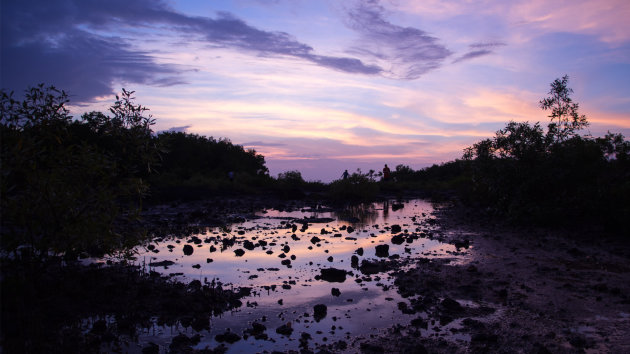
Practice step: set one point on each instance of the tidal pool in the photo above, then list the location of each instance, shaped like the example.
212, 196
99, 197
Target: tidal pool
280, 254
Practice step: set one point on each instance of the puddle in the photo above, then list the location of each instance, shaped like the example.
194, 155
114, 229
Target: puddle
284, 252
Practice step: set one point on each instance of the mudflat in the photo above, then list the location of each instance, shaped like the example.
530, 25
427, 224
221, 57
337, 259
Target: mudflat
516, 291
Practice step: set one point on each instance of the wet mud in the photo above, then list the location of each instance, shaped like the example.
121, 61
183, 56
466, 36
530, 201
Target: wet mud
518, 291
247, 275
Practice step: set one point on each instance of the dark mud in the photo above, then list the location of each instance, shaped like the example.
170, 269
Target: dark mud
507, 291
50, 308
518, 291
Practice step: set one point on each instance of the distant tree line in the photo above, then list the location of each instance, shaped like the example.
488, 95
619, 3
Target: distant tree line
77, 185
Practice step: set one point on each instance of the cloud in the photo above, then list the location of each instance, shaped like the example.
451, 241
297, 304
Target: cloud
63, 43
403, 52
262, 143
44, 42
478, 50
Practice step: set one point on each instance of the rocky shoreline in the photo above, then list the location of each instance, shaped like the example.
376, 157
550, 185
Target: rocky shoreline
518, 291
508, 290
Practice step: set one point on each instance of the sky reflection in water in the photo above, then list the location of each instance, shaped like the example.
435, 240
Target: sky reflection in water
366, 305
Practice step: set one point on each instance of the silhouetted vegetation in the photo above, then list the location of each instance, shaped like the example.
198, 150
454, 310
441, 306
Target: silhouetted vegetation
530, 175
195, 167
72, 185
77, 185
357, 187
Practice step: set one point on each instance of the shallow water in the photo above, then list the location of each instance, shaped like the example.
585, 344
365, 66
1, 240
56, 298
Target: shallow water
286, 293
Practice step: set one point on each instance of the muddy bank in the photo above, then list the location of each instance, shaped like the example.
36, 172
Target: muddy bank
518, 291
49, 308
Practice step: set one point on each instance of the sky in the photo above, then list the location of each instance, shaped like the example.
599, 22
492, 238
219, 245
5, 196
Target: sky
321, 86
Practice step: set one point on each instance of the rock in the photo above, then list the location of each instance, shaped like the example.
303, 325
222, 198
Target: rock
451, 306
319, 312
359, 251
197, 266
335, 292
162, 264
188, 250
398, 240
369, 267
350, 229
257, 330
239, 252
285, 329
330, 259
354, 261
419, 322
209, 260
213, 249
182, 343
333, 275
396, 228
315, 239
286, 249
462, 244
248, 245
228, 337
286, 262
397, 206
382, 250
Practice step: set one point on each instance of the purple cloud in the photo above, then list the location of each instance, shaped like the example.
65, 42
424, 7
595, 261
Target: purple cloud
407, 52
478, 50
56, 42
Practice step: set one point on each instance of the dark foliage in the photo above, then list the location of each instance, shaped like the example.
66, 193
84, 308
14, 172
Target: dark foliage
49, 308
557, 177
195, 167
68, 185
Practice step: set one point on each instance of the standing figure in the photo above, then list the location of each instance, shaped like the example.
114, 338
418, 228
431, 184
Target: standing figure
345, 174
386, 173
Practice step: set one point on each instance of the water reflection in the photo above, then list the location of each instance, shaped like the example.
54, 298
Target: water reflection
280, 254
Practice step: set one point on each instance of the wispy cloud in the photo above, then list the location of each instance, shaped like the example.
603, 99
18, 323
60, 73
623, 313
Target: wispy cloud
403, 52
62, 43
478, 50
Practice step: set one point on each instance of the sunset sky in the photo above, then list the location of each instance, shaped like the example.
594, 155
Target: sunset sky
321, 86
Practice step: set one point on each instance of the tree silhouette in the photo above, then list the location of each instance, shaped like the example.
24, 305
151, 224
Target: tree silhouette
565, 119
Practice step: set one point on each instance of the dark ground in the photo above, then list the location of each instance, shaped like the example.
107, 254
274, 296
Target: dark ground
514, 291
518, 291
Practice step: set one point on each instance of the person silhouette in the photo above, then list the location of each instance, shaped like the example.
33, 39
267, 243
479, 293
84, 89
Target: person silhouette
386, 173
345, 174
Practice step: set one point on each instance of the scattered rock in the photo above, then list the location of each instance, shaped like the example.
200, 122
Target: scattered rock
398, 239
239, 252
333, 275
319, 312
162, 264
335, 292
188, 250
228, 337
285, 329
382, 250
248, 245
